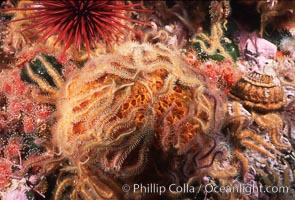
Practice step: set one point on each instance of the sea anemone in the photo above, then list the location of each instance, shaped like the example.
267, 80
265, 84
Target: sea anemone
77, 22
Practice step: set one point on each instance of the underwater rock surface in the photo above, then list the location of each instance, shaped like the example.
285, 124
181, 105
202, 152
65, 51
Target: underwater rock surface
147, 99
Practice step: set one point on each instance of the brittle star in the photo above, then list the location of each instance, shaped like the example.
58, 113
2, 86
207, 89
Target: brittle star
213, 40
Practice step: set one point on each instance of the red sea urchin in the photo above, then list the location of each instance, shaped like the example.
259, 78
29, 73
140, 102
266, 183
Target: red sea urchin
78, 22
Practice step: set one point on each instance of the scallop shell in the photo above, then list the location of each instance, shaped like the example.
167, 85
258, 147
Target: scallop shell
259, 92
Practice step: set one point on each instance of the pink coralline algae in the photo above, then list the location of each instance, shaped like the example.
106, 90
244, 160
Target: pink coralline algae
16, 195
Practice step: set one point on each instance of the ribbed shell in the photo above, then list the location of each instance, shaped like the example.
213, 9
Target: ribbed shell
259, 91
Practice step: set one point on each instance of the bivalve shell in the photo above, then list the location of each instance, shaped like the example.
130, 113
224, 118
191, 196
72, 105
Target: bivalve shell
259, 92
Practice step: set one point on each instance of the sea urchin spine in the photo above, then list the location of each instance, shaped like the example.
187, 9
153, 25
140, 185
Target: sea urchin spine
78, 22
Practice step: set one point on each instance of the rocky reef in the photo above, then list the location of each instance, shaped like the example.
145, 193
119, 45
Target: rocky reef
147, 100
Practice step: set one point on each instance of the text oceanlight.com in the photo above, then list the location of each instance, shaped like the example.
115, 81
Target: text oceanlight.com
247, 189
